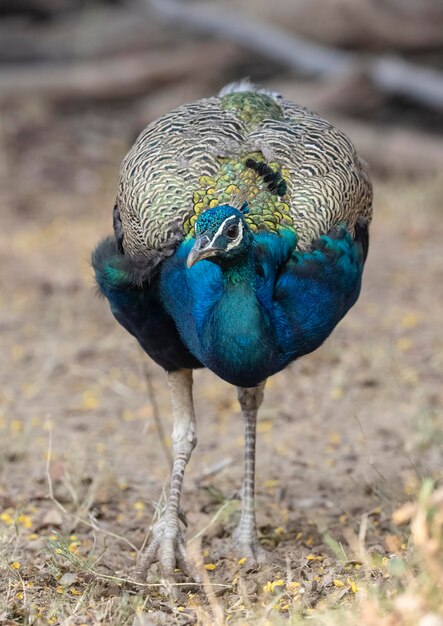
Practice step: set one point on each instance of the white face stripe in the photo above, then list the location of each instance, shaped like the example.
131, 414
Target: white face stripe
236, 241
222, 225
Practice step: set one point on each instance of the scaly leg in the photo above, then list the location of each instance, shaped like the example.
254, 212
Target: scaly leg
168, 543
245, 535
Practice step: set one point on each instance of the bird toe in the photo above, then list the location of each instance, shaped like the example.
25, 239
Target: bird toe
248, 546
253, 551
168, 548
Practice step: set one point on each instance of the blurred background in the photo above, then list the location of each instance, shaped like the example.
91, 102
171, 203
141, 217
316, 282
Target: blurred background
350, 429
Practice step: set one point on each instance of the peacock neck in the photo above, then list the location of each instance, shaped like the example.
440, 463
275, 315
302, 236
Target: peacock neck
235, 332
239, 274
228, 329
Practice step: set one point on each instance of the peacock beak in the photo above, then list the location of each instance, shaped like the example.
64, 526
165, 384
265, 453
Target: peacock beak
202, 249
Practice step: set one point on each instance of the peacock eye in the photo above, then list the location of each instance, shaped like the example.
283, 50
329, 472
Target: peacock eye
232, 231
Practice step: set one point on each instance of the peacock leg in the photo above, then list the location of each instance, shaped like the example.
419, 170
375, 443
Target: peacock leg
245, 535
168, 543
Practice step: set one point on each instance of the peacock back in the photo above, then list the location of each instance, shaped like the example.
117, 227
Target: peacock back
293, 168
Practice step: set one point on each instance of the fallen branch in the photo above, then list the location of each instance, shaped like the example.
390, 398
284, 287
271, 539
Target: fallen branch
406, 25
389, 74
387, 147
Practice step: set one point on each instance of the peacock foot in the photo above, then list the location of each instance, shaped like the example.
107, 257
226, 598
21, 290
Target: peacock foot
168, 547
247, 545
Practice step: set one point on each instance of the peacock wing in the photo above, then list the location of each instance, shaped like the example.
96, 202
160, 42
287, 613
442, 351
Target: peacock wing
294, 170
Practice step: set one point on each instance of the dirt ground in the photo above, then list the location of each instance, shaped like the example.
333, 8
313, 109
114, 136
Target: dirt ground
345, 435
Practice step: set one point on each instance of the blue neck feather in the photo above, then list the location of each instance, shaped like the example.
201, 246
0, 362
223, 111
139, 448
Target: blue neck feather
248, 320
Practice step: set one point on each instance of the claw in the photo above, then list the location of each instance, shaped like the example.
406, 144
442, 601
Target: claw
168, 547
247, 545
253, 551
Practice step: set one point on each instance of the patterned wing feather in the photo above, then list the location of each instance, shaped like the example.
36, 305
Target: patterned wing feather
293, 168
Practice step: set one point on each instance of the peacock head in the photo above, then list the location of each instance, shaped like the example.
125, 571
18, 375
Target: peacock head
222, 235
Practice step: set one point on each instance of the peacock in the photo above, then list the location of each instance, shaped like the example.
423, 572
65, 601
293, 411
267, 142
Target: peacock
240, 235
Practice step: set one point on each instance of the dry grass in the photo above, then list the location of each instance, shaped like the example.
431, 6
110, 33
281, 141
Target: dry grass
358, 586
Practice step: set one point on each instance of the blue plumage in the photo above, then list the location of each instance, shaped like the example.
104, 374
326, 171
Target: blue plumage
138, 308
244, 315
247, 320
